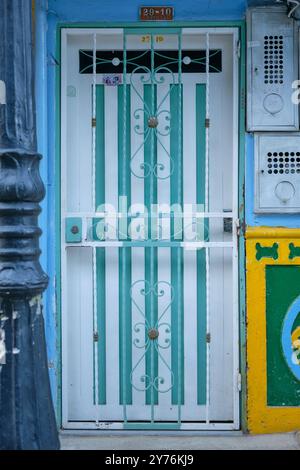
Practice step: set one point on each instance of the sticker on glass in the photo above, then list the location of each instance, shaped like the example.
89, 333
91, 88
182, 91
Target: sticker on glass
112, 80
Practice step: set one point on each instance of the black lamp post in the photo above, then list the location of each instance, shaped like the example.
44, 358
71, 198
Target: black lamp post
27, 418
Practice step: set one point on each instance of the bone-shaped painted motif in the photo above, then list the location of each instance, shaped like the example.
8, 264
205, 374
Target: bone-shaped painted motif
266, 251
294, 251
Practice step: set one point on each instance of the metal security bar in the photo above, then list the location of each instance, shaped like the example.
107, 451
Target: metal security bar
207, 252
95, 306
150, 109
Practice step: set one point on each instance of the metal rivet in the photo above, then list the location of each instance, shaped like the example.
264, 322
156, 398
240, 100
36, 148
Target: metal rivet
116, 61
186, 60
152, 122
153, 333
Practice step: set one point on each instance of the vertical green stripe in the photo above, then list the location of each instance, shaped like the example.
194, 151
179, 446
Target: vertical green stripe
151, 268
100, 253
201, 265
176, 253
100, 273
124, 189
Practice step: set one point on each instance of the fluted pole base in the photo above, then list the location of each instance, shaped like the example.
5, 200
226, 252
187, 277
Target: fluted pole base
27, 420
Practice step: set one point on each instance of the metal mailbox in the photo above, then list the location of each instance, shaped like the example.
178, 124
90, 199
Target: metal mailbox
272, 69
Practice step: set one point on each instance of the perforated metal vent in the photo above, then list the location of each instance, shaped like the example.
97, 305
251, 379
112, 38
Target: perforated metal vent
272, 69
279, 163
277, 167
273, 60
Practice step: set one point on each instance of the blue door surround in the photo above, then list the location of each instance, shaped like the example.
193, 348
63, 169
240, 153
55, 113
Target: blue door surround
49, 16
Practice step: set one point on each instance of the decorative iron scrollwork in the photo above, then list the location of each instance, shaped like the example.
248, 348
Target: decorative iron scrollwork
152, 337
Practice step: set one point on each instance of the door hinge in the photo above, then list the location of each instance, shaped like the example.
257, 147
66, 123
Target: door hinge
96, 336
239, 382
238, 49
238, 227
93, 122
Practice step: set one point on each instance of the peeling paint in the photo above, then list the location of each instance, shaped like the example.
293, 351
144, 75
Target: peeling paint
2, 92
39, 308
35, 300
2, 347
15, 315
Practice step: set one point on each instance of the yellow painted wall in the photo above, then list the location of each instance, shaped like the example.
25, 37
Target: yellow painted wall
262, 418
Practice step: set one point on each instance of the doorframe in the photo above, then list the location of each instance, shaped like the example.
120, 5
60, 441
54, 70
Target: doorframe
240, 27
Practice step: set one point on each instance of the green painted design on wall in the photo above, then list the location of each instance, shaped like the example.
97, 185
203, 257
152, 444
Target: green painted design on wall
282, 288
296, 323
266, 251
294, 251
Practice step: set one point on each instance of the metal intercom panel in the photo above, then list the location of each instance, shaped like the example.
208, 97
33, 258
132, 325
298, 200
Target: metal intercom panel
277, 167
272, 68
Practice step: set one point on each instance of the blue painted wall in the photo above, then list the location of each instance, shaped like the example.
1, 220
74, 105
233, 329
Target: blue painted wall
48, 15
127, 10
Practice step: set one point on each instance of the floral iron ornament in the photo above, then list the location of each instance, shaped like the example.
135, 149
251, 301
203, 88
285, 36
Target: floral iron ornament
156, 122
150, 338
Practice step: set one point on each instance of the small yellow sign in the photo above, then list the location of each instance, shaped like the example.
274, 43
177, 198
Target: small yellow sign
157, 39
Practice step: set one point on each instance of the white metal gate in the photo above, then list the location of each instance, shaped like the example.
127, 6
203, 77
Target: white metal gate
149, 144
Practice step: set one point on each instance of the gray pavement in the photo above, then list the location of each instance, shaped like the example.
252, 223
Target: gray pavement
142, 441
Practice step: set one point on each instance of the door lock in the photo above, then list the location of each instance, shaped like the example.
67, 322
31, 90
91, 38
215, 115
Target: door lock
75, 229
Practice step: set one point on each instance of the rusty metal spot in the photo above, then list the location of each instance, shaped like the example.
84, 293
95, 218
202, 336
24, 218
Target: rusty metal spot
153, 334
152, 122
75, 229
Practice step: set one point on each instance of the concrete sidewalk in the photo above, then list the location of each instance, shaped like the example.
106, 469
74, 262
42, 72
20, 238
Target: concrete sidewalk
80, 441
